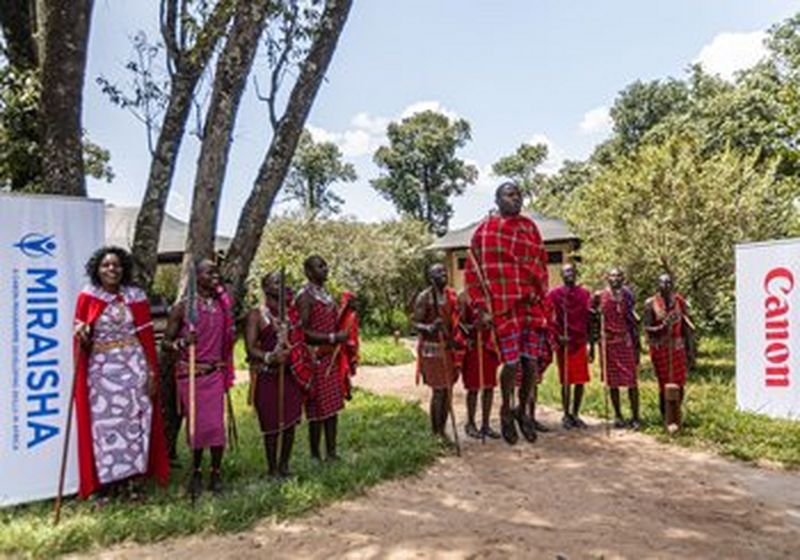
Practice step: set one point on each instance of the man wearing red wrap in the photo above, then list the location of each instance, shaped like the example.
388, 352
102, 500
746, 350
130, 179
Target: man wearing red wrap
506, 278
665, 317
620, 345
570, 305
319, 316
435, 319
478, 363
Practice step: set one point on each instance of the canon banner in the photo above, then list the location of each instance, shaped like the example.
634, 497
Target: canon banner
44, 242
768, 328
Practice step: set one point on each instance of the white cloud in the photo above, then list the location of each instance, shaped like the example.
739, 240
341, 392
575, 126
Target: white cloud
728, 52
367, 132
596, 121
555, 154
487, 180
422, 106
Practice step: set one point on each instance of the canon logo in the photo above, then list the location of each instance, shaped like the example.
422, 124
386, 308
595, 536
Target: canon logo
778, 284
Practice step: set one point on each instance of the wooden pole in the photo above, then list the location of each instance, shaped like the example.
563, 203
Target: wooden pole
62, 473
448, 366
479, 342
604, 367
192, 390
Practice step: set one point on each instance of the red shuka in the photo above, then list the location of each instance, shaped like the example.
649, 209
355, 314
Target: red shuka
348, 353
511, 259
87, 310
659, 341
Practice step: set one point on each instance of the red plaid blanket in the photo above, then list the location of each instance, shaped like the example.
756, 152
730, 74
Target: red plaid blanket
511, 259
659, 340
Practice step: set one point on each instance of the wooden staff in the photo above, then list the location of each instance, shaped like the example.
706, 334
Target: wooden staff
671, 390
62, 473
604, 367
448, 366
233, 432
192, 387
480, 376
565, 344
282, 333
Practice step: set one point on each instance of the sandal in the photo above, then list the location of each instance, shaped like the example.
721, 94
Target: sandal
526, 425
472, 431
507, 427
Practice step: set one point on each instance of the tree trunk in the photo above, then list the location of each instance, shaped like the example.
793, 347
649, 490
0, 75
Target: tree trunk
17, 20
230, 80
162, 168
278, 157
65, 32
189, 68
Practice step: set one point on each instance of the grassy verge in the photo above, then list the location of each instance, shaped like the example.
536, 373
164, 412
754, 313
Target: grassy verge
374, 351
710, 417
380, 438
383, 351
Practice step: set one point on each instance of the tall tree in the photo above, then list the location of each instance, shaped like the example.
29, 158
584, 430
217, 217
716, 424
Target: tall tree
64, 38
669, 206
316, 166
278, 156
421, 170
230, 79
188, 54
522, 167
41, 103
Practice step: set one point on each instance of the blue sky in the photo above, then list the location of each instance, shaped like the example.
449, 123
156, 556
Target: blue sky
517, 70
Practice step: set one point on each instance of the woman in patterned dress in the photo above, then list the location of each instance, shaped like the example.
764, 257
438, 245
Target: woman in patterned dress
120, 432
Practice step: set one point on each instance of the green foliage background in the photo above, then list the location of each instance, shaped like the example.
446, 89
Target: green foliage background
383, 264
693, 167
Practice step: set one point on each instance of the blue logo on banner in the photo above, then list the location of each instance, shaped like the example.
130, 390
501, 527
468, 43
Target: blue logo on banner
36, 245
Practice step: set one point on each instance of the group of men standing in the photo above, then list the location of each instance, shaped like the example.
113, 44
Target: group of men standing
508, 318
302, 349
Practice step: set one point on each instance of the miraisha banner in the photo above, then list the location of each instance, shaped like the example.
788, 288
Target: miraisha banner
768, 328
44, 243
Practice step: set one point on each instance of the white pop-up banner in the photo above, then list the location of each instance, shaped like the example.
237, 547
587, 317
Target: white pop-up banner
44, 243
768, 328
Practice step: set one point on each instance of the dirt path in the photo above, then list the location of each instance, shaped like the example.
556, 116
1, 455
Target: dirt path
571, 495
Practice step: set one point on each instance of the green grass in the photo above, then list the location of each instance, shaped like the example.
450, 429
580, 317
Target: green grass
374, 351
710, 418
379, 438
383, 351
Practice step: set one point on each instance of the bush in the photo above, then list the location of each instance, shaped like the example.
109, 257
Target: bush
383, 264
383, 351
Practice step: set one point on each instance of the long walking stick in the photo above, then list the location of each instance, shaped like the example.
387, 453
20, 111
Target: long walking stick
479, 342
671, 390
192, 391
65, 452
282, 366
233, 432
449, 369
191, 317
604, 369
565, 371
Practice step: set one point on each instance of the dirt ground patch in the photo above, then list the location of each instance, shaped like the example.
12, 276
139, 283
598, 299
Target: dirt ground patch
570, 495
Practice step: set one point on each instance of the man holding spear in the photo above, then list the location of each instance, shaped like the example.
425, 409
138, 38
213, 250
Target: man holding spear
280, 371
670, 336
201, 330
506, 277
435, 316
320, 317
620, 346
478, 363
570, 305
